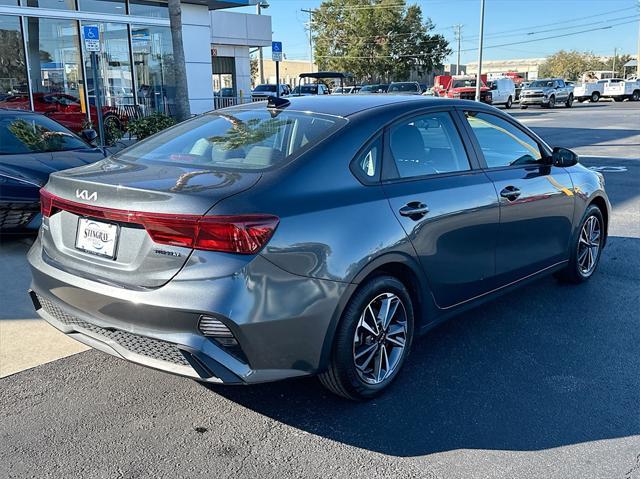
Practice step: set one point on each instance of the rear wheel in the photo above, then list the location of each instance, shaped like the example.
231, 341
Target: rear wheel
509, 103
372, 340
586, 248
569, 101
635, 96
595, 97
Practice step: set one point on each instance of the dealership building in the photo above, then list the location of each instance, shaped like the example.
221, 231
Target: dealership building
44, 64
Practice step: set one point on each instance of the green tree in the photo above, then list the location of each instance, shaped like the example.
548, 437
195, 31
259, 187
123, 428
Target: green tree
376, 40
572, 64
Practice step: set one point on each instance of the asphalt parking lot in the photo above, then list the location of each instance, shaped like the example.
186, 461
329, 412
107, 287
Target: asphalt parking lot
543, 383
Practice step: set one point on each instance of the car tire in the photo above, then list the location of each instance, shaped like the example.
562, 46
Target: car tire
585, 243
635, 96
595, 97
552, 101
569, 102
509, 103
355, 369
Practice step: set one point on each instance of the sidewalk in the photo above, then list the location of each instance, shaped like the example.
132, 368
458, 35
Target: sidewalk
25, 340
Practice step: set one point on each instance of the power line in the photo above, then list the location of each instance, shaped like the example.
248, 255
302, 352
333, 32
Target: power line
563, 22
492, 46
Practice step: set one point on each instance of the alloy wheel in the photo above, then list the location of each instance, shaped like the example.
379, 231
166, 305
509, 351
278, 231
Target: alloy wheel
589, 245
379, 342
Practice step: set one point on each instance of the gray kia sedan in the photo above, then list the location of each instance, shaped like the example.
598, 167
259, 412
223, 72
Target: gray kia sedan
310, 235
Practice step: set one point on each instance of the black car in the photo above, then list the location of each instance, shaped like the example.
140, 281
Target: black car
33, 146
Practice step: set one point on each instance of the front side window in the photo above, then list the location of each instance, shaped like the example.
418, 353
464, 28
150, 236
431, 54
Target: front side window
245, 139
35, 134
427, 145
501, 142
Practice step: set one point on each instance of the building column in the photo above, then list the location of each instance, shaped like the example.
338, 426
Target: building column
196, 36
243, 71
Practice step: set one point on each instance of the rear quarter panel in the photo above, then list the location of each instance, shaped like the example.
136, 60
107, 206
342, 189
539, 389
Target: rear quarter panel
331, 226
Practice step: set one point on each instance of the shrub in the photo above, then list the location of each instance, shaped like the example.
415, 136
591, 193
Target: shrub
149, 125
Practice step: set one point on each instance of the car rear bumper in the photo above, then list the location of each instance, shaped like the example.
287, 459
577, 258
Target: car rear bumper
282, 322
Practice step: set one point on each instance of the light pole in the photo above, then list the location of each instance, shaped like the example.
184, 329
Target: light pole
310, 12
458, 35
478, 78
259, 6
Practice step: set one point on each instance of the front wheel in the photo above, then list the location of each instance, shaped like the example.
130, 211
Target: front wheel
586, 248
569, 101
552, 101
635, 96
372, 340
509, 103
595, 97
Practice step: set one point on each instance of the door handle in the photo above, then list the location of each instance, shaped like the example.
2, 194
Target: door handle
414, 210
510, 193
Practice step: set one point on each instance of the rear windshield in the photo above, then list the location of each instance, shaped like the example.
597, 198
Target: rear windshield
306, 89
463, 83
403, 87
265, 88
240, 139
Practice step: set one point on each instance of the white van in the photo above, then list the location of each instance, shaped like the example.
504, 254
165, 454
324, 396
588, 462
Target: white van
503, 91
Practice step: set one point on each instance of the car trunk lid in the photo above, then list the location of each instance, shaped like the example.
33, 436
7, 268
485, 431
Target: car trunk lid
88, 200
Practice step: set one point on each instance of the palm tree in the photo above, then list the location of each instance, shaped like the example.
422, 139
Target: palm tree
183, 110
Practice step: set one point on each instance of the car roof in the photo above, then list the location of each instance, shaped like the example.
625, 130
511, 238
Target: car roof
14, 111
349, 105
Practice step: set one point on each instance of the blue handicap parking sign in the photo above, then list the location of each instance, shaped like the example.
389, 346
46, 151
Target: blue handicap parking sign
276, 47
90, 32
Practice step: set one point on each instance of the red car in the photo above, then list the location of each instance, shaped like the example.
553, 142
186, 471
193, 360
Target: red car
63, 108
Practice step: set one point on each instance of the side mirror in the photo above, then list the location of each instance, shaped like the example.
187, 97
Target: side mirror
564, 157
89, 135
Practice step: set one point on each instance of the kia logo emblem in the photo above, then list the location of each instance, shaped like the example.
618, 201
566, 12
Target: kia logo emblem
84, 195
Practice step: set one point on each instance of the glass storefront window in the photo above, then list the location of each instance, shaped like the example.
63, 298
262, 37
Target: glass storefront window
103, 6
14, 86
153, 60
52, 4
114, 71
53, 50
149, 8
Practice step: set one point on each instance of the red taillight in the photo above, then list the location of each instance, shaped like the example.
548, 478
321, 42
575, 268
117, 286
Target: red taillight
46, 202
243, 234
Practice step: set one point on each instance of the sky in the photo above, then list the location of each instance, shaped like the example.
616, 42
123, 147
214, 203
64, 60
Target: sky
545, 18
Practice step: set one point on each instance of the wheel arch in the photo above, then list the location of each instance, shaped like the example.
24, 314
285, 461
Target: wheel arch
408, 271
601, 203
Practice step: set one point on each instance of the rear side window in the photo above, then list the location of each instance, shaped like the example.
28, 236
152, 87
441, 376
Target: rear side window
427, 145
367, 164
241, 139
502, 143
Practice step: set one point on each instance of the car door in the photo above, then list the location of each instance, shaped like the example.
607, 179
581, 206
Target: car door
536, 198
447, 206
563, 90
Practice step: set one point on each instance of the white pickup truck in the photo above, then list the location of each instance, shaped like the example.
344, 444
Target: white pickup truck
589, 90
619, 89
